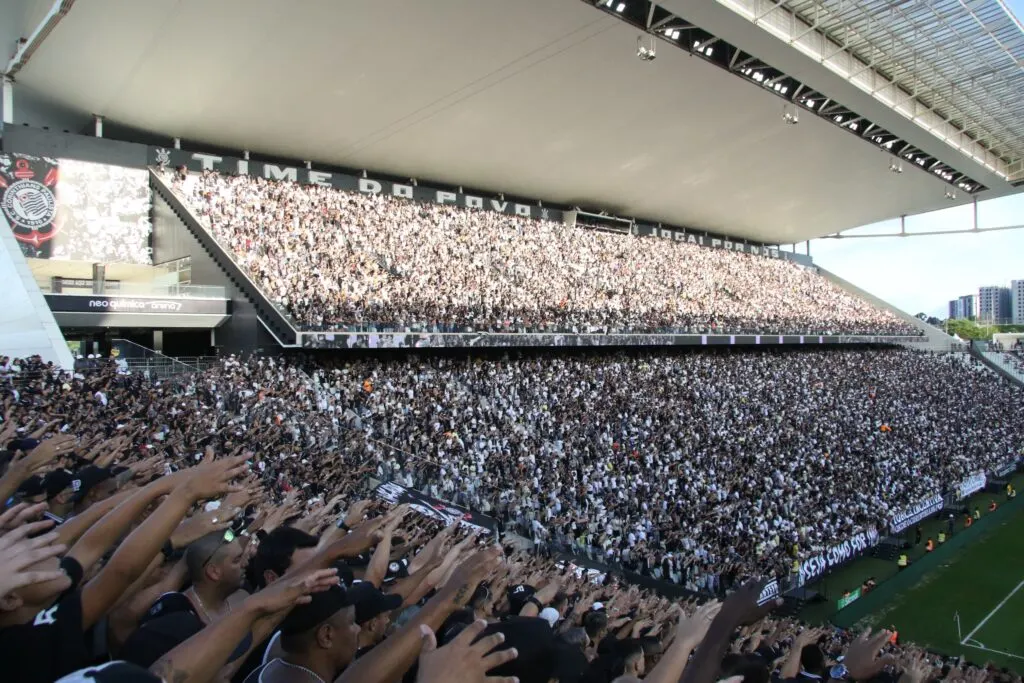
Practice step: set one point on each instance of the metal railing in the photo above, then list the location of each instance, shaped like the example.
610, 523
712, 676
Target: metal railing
136, 358
136, 289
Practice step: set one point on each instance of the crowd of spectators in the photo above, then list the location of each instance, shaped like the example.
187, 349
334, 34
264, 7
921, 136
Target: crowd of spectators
344, 260
209, 528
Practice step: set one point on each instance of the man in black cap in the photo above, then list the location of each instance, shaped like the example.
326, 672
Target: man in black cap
373, 613
319, 640
90, 485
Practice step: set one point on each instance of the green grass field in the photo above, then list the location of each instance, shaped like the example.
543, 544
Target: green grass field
984, 583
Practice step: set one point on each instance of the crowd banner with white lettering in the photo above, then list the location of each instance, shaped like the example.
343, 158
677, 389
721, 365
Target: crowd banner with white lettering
195, 161
971, 484
814, 567
396, 494
1006, 469
770, 592
923, 508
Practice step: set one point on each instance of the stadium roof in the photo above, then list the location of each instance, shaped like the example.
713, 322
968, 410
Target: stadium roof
962, 59
548, 100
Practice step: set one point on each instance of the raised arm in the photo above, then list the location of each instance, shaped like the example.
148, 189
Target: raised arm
391, 659
200, 659
136, 552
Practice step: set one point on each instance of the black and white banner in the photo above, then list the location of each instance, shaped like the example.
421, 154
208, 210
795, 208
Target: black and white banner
419, 340
1005, 469
768, 593
971, 484
97, 303
396, 494
816, 566
915, 513
195, 161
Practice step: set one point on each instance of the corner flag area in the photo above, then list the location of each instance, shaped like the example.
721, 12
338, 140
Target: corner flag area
970, 606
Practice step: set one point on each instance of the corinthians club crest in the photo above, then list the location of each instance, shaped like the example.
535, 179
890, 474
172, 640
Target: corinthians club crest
28, 200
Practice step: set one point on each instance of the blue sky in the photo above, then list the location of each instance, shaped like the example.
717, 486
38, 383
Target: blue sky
924, 273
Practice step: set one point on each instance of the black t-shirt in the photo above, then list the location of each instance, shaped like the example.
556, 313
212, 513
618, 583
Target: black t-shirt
170, 621
53, 644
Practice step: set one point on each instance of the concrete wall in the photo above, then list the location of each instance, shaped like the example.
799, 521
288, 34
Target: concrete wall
173, 240
27, 326
937, 339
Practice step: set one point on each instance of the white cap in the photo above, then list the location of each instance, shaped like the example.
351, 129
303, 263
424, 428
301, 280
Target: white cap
550, 615
597, 606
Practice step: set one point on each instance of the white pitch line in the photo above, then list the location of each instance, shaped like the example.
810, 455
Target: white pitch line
990, 615
998, 652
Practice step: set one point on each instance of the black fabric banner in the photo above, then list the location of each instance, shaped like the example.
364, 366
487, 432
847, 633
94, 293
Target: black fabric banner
418, 340
396, 494
815, 567
194, 161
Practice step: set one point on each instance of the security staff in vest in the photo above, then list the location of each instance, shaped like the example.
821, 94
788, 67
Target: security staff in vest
902, 562
942, 537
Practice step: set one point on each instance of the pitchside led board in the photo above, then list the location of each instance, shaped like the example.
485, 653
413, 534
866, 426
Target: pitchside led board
70, 210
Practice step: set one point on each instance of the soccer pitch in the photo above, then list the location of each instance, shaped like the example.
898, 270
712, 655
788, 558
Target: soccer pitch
971, 605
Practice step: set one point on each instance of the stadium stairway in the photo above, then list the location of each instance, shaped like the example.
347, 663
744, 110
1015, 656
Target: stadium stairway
273, 318
996, 362
937, 340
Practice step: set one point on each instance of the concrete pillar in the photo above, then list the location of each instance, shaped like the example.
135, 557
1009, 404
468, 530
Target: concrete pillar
7, 102
98, 125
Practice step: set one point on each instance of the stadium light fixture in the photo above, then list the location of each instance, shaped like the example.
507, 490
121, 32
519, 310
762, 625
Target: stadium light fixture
950, 195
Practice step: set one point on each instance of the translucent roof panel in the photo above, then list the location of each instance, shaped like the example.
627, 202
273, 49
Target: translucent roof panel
962, 59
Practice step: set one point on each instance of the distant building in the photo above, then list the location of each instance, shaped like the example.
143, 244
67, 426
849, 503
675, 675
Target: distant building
994, 304
968, 306
954, 310
1017, 301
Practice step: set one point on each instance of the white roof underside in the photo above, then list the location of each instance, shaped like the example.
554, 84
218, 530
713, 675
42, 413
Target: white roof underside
535, 98
964, 59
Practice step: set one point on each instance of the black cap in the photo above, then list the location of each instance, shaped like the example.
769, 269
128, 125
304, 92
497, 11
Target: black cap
370, 601
322, 607
57, 481
24, 445
88, 478
518, 596
33, 486
399, 569
533, 638
112, 672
